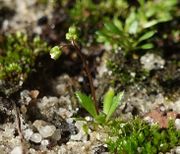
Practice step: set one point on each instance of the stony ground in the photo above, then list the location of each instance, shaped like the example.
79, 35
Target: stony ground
48, 107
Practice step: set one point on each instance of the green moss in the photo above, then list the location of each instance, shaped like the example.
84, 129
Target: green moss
17, 60
125, 70
136, 136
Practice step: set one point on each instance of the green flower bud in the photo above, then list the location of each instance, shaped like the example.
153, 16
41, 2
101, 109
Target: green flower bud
55, 52
72, 33
72, 30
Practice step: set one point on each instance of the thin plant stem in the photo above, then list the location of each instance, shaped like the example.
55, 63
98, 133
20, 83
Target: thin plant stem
78, 50
18, 121
86, 68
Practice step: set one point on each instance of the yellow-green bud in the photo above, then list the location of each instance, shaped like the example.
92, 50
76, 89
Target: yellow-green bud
55, 52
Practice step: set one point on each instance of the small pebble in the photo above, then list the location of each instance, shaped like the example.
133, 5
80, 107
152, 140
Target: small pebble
47, 131
149, 120
64, 113
176, 106
39, 123
36, 138
81, 135
151, 61
45, 143
27, 134
57, 135
177, 150
17, 150
177, 124
61, 88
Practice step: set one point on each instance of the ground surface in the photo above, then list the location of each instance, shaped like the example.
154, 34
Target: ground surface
46, 100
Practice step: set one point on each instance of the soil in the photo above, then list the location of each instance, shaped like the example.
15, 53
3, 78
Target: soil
47, 99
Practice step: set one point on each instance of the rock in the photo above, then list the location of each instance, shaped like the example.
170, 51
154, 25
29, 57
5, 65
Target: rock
57, 135
64, 113
61, 89
177, 150
177, 124
81, 134
44, 143
176, 106
151, 61
36, 138
48, 102
17, 150
47, 131
27, 134
25, 97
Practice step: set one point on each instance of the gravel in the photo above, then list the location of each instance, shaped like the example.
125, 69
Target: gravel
17, 150
36, 138
48, 121
151, 61
177, 124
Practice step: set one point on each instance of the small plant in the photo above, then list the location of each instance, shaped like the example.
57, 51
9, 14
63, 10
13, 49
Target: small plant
56, 51
110, 102
17, 59
135, 30
115, 34
137, 136
87, 13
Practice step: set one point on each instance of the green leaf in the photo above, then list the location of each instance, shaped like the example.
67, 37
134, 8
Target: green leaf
87, 103
146, 36
133, 27
116, 101
141, 2
130, 20
108, 99
101, 118
147, 46
85, 128
55, 52
150, 23
72, 33
111, 27
118, 24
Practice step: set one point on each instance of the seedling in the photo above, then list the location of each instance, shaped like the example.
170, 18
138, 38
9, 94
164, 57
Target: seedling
110, 102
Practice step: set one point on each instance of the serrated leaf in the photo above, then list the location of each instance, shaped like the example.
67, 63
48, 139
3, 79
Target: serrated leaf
116, 101
146, 36
87, 103
108, 99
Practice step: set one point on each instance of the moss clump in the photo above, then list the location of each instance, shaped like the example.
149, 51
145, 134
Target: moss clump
136, 136
17, 59
126, 70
